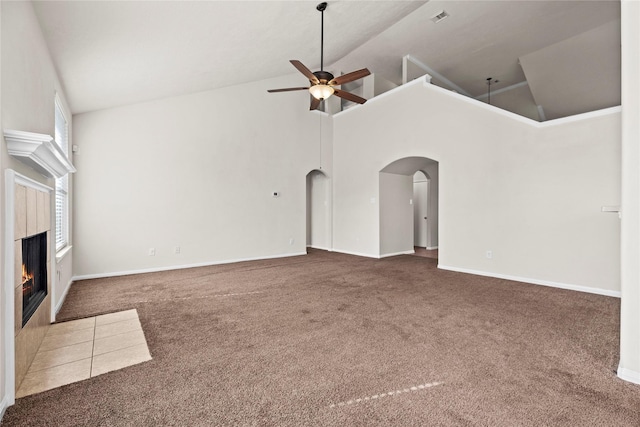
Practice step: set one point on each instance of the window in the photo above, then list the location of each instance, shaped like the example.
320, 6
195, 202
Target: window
62, 184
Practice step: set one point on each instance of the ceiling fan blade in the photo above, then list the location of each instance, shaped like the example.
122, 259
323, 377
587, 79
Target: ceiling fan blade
288, 89
315, 103
349, 77
349, 96
304, 70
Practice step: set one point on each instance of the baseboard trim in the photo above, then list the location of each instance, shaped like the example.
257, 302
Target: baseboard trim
629, 375
3, 407
64, 296
411, 252
340, 251
179, 267
430, 248
570, 287
322, 248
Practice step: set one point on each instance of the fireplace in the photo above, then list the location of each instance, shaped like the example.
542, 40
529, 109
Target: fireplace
34, 274
28, 236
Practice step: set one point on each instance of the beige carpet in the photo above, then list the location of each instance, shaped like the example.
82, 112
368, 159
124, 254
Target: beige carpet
336, 340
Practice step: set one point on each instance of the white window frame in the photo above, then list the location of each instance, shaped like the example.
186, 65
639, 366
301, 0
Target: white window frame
62, 184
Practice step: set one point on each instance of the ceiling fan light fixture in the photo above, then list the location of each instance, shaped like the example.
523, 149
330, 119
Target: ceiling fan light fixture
321, 91
322, 82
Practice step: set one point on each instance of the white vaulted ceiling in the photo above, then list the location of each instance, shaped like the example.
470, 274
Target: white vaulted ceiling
116, 53
120, 52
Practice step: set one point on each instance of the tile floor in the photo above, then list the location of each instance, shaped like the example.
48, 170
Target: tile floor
80, 349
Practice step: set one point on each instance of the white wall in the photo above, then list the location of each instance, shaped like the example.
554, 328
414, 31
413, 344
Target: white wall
29, 85
529, 192
431, 170
396, 214
629, 367
198, 172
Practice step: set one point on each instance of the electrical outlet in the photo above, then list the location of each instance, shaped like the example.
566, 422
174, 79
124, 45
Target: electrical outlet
489, 254
176, 250
152, 251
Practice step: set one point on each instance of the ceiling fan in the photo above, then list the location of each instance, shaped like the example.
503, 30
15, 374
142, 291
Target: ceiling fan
323, 83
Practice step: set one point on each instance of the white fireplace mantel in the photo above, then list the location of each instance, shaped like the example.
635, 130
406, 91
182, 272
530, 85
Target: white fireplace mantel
39, 151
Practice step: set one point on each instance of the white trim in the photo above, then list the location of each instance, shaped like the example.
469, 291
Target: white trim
437, 75
63, 253
7, 286
422, 80
587, 289
39, 151
59, 305
411, 252
629, 375
415, 82
322, 248
3, 407
340, 251
517, 117
431, 248
180, 267
582, 116
28, 182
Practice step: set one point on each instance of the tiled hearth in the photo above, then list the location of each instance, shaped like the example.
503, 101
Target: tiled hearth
80, 349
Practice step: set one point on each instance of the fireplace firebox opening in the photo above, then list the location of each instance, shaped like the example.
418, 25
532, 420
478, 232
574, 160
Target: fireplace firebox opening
34, 274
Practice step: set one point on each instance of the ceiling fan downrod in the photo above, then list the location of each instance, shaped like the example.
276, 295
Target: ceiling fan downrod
321, 7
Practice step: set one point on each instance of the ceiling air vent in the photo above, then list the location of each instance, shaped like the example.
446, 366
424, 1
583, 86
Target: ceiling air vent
439, 16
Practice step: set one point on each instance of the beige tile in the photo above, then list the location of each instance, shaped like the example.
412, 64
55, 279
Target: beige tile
72, 325
44, 316
103, 331
17, 264
31, 334
20, 358
118, 342
60, 356
20, 212
40, 211
32, 217
47, 211
49, 277
54, 341
37, 328
116, 317
119, 359
17, 299
57, 376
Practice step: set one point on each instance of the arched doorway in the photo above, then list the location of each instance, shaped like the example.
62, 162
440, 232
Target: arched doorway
403, 202
318, 210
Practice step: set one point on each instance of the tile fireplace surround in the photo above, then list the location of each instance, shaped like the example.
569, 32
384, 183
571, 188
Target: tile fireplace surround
32, 216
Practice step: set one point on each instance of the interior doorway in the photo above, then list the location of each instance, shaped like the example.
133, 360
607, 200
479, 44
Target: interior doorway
318, 210
408, 194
